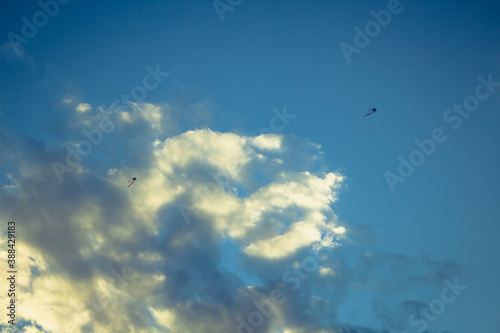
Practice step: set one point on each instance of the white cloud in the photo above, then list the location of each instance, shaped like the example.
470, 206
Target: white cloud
82, 107
222, 151
299, 235
266, 141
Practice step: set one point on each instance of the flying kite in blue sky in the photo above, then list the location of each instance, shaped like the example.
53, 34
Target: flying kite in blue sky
369, 112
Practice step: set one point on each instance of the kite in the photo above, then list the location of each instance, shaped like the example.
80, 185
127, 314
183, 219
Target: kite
132, 180
369, 112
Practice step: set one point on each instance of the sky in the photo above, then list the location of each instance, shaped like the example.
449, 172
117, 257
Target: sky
264, 202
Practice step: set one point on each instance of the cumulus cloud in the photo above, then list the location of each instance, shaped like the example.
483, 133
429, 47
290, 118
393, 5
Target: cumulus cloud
96, 256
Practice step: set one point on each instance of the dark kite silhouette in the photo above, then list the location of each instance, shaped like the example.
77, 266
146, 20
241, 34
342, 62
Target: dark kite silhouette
369, 112
132, 180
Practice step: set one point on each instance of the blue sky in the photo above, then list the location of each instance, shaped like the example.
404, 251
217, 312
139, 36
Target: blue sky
225, 79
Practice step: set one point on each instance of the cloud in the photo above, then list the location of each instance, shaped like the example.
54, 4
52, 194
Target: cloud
96, 256
81, 108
